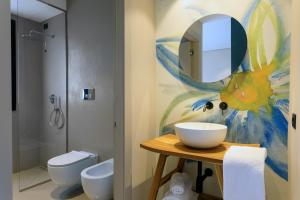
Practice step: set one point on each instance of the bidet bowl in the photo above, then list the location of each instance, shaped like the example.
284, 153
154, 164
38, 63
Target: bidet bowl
200, 134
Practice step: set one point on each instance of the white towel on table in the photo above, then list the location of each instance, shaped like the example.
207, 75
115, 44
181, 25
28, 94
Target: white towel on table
243, 169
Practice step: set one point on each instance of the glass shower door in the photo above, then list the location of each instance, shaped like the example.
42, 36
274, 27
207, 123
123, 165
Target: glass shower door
40, 116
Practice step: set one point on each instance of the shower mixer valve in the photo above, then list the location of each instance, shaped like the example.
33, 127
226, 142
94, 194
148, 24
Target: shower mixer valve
52, 99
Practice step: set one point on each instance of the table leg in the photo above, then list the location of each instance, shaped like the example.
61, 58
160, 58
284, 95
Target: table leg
157, 177
219, 173
180, 165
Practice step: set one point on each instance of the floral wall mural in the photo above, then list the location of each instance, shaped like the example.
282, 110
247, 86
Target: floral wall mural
257, 95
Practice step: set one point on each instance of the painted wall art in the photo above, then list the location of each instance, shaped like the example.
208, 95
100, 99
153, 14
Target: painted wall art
257, 94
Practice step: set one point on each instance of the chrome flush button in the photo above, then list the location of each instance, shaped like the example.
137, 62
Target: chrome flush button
88, 94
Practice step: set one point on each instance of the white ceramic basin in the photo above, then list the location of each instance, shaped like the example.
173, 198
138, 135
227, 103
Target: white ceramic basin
201, 135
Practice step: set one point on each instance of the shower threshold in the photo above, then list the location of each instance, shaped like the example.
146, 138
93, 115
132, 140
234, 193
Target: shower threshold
32, 177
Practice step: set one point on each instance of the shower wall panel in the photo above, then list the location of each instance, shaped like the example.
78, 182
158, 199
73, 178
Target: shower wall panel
54, 82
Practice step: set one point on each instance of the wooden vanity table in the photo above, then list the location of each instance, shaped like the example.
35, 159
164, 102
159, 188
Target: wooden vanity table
170, 145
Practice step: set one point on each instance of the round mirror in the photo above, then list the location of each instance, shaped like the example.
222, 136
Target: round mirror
212, 48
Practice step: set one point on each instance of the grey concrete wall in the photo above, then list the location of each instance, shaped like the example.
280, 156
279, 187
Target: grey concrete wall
5, 103
27, 118
54, 75
91, 65
40, 74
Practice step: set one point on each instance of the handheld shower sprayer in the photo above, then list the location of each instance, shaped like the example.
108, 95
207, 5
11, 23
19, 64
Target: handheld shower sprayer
57, 118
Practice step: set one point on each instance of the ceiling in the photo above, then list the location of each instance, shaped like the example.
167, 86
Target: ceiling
33, 10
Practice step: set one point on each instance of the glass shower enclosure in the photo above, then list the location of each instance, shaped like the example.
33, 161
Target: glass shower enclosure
39, 58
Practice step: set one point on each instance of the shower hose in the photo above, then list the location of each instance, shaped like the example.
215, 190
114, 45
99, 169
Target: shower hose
57, 118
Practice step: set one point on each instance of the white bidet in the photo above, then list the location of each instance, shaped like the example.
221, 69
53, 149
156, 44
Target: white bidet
97, 180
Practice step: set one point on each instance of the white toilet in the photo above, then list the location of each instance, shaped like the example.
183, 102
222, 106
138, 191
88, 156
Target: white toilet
64, 170
97, 180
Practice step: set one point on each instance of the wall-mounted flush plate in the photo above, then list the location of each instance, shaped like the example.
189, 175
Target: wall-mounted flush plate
88, 94
294, 121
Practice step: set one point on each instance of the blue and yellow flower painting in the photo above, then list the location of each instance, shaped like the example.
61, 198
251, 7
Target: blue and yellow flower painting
257, 94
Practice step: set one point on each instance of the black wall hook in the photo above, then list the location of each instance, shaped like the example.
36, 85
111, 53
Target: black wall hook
223, 106
208, 106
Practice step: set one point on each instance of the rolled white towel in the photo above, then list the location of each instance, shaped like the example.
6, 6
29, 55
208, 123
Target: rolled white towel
177, 188
171, 197
180, 182
188, 195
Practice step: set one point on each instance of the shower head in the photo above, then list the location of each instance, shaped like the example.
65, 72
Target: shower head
32, 32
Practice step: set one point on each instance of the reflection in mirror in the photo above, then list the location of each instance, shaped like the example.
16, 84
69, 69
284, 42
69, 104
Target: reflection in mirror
212, 48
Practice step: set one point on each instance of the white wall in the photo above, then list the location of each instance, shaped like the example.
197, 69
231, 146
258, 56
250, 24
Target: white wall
216, 49
211, 37
216, 64
140, 91
5, 103
57, 3
294, 135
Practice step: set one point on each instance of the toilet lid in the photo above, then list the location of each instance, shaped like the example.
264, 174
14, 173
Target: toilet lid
68, 158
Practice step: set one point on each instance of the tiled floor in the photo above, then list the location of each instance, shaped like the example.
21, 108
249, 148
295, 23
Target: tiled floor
46, 191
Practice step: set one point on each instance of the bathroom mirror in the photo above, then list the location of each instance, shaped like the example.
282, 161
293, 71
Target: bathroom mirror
212, 48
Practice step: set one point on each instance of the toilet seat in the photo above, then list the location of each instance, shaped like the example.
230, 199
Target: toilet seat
64, 170
68, 159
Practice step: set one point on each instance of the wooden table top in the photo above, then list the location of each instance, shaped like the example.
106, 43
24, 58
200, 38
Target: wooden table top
171, 145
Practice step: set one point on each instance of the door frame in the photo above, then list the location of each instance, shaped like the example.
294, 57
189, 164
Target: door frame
122, 148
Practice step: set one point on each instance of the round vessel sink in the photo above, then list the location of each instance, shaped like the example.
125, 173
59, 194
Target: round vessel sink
201, 135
